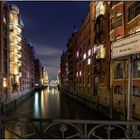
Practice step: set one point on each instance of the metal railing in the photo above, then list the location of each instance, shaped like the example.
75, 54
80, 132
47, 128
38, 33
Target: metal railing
49, 128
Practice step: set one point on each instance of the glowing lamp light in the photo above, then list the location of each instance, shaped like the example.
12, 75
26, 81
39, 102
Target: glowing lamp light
36, 84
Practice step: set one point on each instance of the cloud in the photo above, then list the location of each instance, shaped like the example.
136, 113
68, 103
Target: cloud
50, 58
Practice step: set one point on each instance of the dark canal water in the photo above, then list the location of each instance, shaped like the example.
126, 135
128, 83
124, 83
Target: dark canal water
48, 104
52, 104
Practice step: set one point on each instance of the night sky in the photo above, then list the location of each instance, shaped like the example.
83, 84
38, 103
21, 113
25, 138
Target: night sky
48, 25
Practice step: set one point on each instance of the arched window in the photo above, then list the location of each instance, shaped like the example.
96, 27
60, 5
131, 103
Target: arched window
118, 89
118, 71
136, 68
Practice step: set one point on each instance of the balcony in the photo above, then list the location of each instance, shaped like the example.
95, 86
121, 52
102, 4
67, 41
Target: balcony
16, 62
69, 129
18, 46
17, 35
18, 54
18, 27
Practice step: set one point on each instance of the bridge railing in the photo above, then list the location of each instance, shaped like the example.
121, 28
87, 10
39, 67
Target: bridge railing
50, 128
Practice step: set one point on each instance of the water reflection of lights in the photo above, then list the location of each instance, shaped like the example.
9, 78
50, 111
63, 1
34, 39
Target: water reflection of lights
52, 90
48, 88
36, 104
42, 102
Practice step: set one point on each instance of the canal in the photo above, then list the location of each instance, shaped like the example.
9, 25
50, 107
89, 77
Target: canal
48, 104
51, 104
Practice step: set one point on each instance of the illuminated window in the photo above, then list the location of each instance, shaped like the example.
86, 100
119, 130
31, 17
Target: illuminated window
4, 82
84, 57
89, 61
80, 73
94, 50
119, 19
99, 8
77, 54
77, 74
89, 52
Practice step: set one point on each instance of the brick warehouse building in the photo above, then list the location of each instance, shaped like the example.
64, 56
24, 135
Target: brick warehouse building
102, 55
64, 70
125, 26
78, 57
71, 47
27, 68
90, 56
103, 82
17, 74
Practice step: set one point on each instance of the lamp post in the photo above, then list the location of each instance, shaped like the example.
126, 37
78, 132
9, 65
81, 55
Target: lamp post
130, 91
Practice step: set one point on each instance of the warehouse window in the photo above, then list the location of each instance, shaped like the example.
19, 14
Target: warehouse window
136, 90
118, 19
133, 10
118, 89
136, 68
119, 71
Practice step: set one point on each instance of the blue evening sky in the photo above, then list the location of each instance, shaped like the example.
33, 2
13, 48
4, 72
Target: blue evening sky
49, 25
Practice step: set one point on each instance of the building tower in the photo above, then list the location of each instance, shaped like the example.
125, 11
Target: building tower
15, 47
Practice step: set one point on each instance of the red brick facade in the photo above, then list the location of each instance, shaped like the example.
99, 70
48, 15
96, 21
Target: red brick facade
100, 79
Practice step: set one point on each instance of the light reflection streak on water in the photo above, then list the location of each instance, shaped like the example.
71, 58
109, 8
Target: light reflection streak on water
36, 104
42, 102
53, 91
